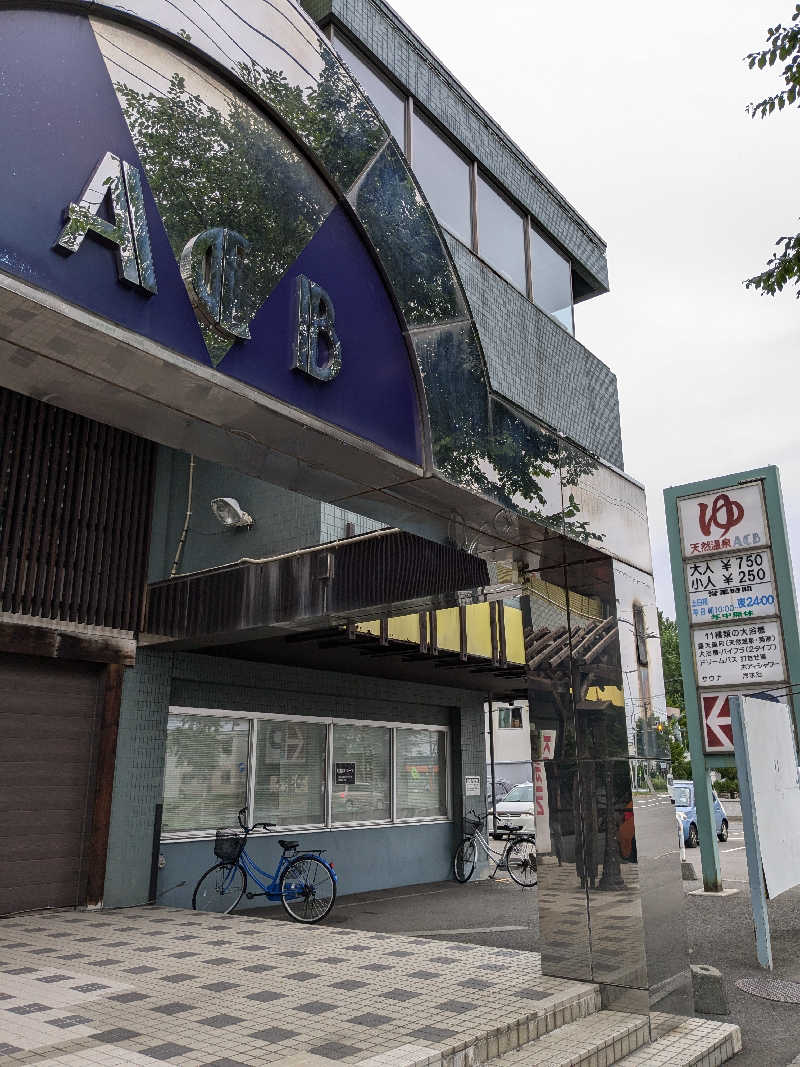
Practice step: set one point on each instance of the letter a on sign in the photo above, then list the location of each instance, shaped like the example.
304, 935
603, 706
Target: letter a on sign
120, 184
717, 728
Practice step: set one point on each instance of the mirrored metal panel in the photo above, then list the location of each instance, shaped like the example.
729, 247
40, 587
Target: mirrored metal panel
283, 59
216, 166
603, 508
401, 228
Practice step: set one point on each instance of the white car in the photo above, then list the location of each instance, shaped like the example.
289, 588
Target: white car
517, 807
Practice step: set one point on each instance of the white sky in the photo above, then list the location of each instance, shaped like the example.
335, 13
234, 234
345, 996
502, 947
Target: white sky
636, 113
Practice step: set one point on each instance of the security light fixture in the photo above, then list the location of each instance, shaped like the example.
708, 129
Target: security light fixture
230, 513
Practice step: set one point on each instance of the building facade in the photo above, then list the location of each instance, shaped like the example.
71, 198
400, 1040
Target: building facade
302, 465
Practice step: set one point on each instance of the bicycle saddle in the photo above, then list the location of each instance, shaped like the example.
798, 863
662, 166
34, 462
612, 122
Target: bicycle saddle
286, 845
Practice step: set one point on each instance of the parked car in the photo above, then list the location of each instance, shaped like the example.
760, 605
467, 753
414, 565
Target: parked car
501, 789
683, 798
517, 807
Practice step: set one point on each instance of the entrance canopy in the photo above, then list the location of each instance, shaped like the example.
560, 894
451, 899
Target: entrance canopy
210, 239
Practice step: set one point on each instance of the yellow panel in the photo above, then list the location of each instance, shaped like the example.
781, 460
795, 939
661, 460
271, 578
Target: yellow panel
515, 641
479, 634
448, 632
404, 628
610, 693
369, 628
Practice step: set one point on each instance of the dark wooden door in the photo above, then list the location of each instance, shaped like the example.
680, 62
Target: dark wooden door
49, 711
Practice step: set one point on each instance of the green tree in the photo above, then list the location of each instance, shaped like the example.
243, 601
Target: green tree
673, 689
782, 46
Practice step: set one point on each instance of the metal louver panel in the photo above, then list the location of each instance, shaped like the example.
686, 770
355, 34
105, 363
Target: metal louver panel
75, 503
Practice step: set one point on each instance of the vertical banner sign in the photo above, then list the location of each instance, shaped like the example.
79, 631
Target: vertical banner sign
736, 614
736, 617
732, 602
541, 807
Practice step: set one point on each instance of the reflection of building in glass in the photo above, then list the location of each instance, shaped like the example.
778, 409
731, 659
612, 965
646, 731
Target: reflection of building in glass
360, 333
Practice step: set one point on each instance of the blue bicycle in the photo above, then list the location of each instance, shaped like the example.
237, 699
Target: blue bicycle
303, 882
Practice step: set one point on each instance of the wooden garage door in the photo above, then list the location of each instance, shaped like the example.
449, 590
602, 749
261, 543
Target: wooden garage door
48, 725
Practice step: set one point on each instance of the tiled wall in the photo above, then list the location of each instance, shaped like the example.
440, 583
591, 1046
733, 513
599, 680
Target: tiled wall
416, 68
539, 366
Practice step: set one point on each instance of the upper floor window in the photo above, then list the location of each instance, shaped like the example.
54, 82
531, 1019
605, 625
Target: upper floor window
552, 281
509, 718
390, 103
444, 175
501, 235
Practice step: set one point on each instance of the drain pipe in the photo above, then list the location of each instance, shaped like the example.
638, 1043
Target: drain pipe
185, 530
491, 762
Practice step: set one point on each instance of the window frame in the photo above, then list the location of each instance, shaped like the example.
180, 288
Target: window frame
329, 721
356, 47
482, 175
414, 110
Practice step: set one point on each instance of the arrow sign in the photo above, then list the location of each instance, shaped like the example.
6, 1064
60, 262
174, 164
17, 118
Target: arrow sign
717, 728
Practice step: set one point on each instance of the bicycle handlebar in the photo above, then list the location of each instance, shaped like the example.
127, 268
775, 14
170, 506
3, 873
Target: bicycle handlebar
248, 829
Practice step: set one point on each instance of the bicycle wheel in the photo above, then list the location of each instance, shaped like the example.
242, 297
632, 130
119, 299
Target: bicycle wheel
220, 889
464, 860
521, 861
308, 890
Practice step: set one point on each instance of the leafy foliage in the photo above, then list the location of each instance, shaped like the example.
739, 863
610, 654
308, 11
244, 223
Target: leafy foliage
671, 661
783, 46
673, 688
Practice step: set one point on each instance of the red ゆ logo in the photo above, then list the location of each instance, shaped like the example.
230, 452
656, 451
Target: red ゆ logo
725, 514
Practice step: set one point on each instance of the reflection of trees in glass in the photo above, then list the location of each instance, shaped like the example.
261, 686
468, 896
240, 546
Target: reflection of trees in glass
209, 169
412, 253
482, 444
333, 117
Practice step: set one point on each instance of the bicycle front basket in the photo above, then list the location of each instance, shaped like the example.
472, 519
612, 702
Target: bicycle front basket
228, 845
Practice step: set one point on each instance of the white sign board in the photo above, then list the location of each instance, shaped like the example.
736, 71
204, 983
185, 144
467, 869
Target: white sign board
776, 794
472, 786
548, 739
740, 653
728, 520
717, 726
739, 586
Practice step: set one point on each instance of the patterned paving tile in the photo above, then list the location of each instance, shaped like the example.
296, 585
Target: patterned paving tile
169, 1050
274, 1034
334, 1050
331, 994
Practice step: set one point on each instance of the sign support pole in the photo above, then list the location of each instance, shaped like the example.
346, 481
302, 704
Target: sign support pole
755, 874
709, 853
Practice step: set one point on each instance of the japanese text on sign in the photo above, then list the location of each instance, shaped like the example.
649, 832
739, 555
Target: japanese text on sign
731, 587
739, 655
730, 520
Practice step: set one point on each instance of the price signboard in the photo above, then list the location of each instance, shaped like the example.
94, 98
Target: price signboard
740, 586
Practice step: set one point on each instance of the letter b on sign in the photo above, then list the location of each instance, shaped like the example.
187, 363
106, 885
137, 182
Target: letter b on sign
314, 319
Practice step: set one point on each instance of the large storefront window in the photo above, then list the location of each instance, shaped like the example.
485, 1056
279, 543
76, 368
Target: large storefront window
362, 782
300, 773
289, 773
205, 779
421, 761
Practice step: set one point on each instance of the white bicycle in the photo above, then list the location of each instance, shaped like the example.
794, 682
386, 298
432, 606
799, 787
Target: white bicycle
517, 856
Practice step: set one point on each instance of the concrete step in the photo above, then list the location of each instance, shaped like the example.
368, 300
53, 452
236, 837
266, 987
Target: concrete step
596, 1041
681, 1042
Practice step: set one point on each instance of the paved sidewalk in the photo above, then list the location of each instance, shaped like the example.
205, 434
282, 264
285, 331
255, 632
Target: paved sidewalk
145, 985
